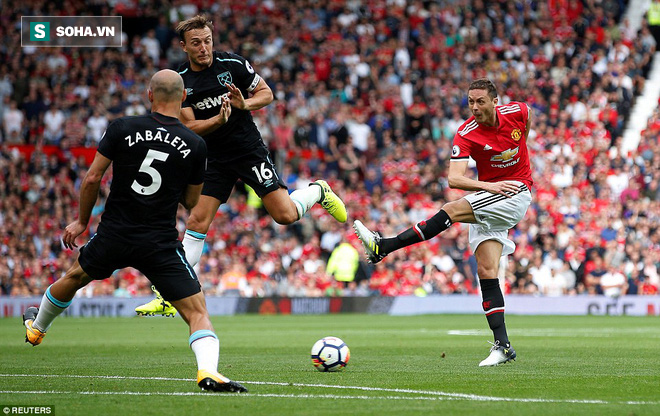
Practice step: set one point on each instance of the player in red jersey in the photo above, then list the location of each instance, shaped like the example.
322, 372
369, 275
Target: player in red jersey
495, 137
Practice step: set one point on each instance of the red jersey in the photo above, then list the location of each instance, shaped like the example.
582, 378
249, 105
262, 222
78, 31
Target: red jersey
500, 152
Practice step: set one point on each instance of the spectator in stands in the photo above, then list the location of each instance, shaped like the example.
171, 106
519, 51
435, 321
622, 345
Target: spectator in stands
151, 46
233, 282
613, 283
653, 18
343, 263
54, 124
96, 125
135, 107
13, 122
541, 273
75, 129
34, 106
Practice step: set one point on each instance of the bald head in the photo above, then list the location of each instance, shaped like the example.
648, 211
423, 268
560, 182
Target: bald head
166, 86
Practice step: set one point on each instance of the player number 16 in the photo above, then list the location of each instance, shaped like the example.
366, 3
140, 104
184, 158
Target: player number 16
266, 173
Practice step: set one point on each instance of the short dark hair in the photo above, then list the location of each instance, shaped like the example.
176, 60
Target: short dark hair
198, 22
484, 84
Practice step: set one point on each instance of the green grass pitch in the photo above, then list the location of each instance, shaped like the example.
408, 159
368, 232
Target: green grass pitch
420, 365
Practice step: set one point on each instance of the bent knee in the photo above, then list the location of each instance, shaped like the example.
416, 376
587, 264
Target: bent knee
199, 223
77, 278
459, 210
285, 217
487, 272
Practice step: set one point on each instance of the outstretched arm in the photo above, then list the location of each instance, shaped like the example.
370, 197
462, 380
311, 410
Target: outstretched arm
89, 191
458, 180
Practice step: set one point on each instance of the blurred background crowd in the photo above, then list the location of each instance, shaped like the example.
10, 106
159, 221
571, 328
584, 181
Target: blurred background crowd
369, 95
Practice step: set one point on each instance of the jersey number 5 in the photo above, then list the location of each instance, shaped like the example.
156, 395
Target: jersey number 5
145, 167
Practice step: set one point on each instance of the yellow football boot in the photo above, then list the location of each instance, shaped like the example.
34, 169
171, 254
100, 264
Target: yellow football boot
331, 202
157, 306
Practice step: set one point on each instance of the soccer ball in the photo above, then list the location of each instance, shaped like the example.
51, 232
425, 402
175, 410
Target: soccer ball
330, 354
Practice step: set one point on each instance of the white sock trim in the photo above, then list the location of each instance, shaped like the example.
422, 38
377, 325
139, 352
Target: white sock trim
207, 353
193, 245
305, 198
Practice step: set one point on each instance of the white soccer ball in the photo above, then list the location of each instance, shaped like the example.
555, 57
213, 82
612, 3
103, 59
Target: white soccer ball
330, 354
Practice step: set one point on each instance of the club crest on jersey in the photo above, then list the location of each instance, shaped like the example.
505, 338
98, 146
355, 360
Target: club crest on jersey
224, 78
516, 134
505, 156
189, 91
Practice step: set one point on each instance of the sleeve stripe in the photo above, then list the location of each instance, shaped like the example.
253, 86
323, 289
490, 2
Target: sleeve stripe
229, 60
458, 159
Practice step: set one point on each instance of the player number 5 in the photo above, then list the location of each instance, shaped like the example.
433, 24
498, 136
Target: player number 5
145, 167
266, 173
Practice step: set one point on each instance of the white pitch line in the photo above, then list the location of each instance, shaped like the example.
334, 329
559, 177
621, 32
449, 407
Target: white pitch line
292, 396
209, 394
464, 396
439, 395
103, 377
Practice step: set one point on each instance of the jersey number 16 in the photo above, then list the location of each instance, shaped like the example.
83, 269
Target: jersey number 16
265, 174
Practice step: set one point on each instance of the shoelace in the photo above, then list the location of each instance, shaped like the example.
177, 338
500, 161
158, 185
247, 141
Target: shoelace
328, 206
495, 345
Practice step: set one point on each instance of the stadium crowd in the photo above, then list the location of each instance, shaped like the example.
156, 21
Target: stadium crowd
368, 96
